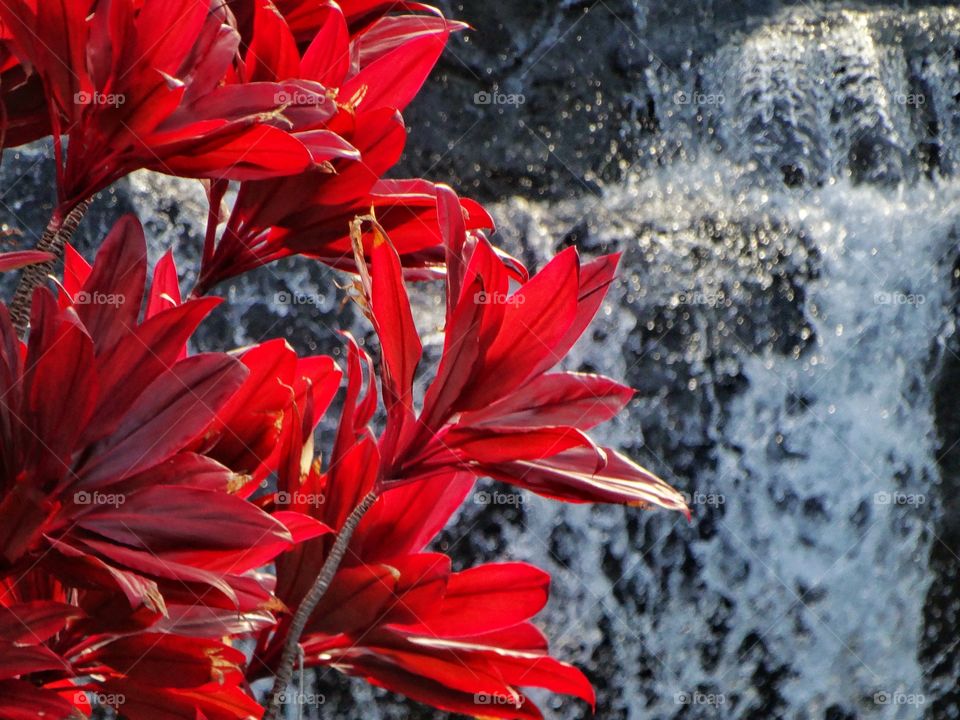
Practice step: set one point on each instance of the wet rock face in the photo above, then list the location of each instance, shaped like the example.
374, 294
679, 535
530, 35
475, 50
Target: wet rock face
787, 210
549, 99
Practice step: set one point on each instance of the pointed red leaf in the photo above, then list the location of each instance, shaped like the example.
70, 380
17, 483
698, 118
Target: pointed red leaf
579, 400
109, 302
174, 409
573, 476
22, 258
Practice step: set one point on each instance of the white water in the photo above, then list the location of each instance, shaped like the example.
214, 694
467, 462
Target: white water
808, 566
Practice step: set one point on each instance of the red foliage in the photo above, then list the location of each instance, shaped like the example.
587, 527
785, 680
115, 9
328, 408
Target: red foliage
122, 509
136, 542
136, 84
395, 614
374, 73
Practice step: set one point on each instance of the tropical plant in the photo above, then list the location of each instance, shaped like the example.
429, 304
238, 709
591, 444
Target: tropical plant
168, 535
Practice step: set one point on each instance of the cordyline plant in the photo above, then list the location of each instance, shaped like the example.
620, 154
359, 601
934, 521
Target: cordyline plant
142, 565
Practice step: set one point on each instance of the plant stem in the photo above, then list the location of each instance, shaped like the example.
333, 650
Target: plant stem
57, 233
310, 601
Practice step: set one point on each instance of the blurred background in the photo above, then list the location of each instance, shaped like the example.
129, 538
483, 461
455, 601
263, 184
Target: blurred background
782, 180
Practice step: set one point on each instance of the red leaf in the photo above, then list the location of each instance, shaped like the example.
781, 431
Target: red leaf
392, 74
35, 622
486, 598
22, 258
458, 363
493, 445
184, 468
109, 302
173, 410
201, 528
531, 666
576, 399
535, 319
399, 341
165, 289
166, 31
595, 279
170, 661
327, 59
365, 596
272, 55
139, 358
253, 153
56, 39
573, 476
357, 598
23, 660
54, 426
76, 270
22, 700
209, 702
406, 518
81, 569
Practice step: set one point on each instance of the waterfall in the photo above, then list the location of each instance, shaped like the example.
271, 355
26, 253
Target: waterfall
786, 312
786, 347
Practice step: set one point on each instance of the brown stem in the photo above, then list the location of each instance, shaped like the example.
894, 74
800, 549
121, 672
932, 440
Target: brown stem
319, 588
57, 233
